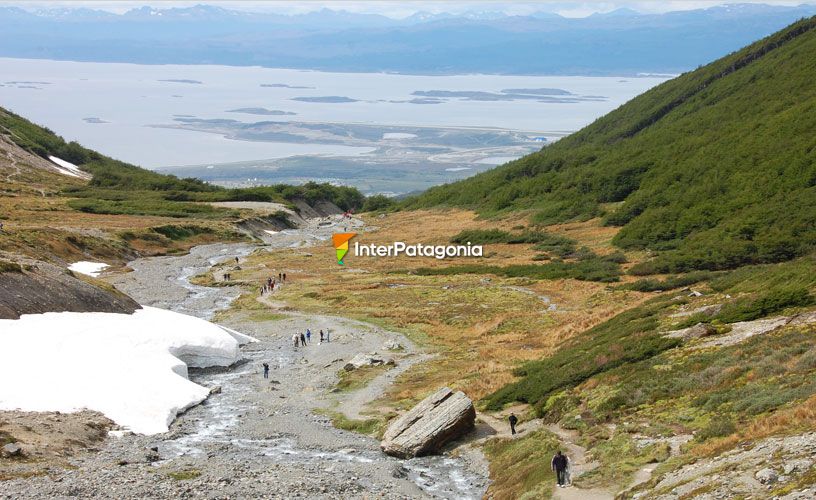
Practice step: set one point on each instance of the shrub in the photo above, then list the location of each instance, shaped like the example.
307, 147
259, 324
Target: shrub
591, 269
10, 267
770, 303
629, 337
378, 203
175, 232
719, 426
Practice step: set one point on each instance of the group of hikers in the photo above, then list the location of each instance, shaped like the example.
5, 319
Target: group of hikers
271, 283
560, 464
302, 339
267, 286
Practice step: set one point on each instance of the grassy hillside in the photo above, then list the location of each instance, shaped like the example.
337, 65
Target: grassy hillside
714, 169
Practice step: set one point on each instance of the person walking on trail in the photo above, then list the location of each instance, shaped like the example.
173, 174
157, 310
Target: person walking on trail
513, 419
236, 260
302, 339
568, 473
295, 339
559, 466
284, 278
321, 336
308, 336
266, 370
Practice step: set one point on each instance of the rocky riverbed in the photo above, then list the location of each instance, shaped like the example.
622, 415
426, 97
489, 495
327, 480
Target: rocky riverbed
256, 437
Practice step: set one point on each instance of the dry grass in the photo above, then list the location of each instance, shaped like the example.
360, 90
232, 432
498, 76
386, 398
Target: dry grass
796, 419
482, 326
46, 228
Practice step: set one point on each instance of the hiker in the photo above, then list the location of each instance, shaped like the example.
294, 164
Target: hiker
279, 277
295, 339
236, 260
284, 278
321, 336
266, 370
568, 473
262, 290
559, 466
273, 285
302, 339
513, 421
308, 336
269, 282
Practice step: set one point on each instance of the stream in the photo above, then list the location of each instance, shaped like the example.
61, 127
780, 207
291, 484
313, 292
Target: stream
251, 419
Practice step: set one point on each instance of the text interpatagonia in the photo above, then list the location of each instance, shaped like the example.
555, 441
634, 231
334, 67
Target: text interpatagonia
417, 250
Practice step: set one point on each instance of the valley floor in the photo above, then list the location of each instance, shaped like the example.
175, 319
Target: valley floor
256, 437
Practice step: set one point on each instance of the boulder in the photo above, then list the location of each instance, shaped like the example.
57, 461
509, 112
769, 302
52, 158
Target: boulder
393, 345
438, 419
766, 476
697, 331
12, 450
371, 359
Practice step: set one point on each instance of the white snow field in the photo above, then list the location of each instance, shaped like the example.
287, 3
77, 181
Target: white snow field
88, 268
132, 368
68, 168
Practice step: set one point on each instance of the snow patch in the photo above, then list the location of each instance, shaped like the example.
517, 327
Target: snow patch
132, 368
88, 268
241, 338
398, 135
68, 168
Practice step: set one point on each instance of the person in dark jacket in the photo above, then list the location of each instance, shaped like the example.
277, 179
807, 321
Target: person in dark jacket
513, 421
302, 339
266, 370
559, 466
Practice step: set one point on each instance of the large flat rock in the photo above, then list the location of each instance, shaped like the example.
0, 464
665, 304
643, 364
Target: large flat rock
426, 428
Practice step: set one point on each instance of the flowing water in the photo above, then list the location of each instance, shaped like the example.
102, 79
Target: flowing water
217, 427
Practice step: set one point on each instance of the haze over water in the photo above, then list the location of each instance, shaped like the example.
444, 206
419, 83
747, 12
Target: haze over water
127, 97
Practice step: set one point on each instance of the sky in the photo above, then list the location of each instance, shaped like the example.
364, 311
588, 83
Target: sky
400, 9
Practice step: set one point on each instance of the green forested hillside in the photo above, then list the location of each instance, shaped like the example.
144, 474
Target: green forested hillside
714, 169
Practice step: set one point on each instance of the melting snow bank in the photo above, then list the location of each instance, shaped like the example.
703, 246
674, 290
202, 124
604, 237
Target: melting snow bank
68, 168
132, 368
88, 268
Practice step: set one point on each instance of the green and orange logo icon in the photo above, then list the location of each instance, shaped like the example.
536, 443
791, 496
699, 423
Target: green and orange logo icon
341, 245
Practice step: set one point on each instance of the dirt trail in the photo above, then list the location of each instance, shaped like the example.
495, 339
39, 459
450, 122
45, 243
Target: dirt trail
581, 464
368, 338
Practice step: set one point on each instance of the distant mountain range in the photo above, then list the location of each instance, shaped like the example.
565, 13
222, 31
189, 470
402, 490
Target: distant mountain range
622, 42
